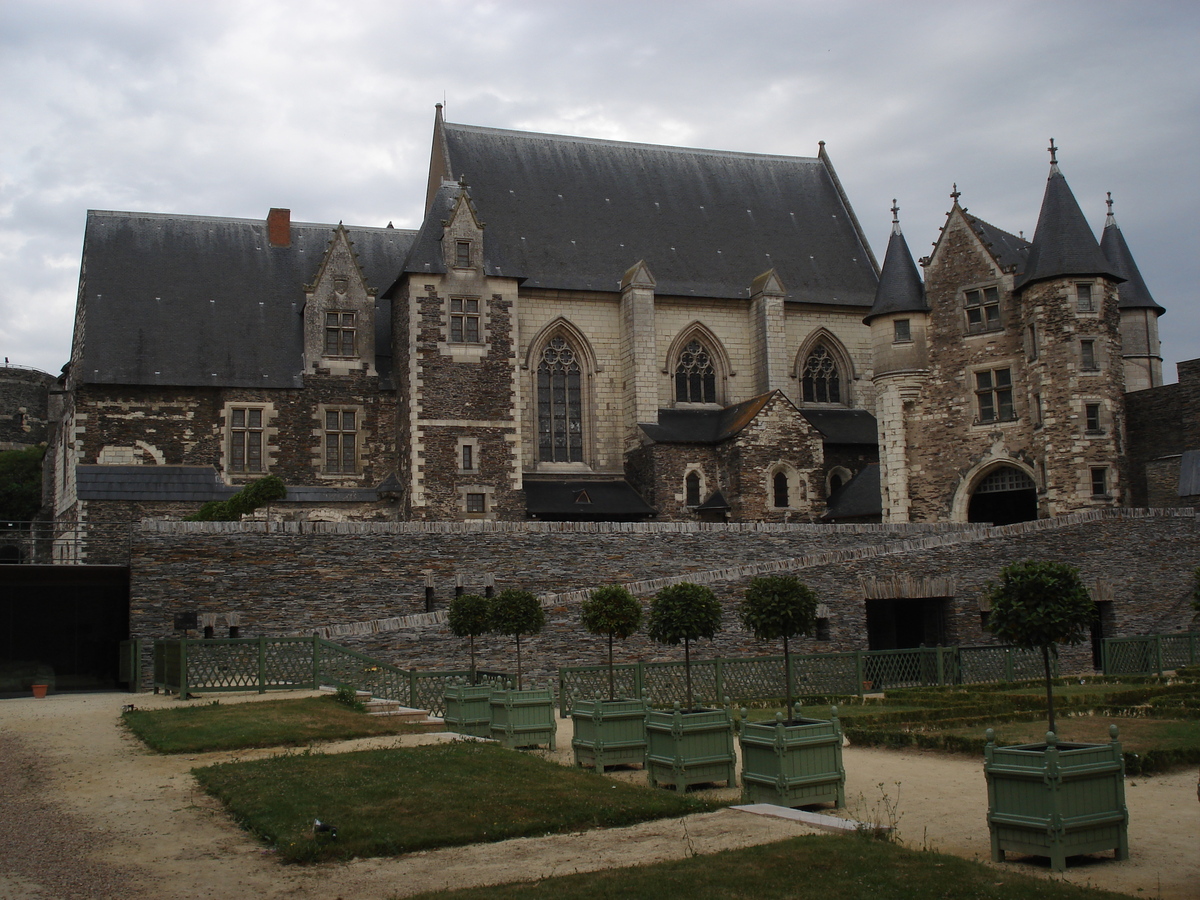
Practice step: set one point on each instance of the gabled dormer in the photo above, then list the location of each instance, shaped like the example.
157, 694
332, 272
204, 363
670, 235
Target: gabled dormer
339, 314
462, 236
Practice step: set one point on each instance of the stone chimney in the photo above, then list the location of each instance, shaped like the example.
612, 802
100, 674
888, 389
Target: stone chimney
279, 227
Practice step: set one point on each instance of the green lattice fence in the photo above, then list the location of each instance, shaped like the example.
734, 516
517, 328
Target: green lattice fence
1150, 654
999, 665
585, 682
828, 674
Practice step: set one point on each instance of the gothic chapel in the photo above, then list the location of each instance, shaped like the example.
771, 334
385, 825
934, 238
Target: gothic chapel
594, 330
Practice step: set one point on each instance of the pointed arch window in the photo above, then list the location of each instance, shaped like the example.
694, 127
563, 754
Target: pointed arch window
822, 381
560, 404
695, 375
692, 488
779, 486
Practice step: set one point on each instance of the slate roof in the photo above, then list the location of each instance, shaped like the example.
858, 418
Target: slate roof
197, 484
200, 301
843, 426
704, 426
1010, 251
574, 213
1063, 243
426, 253
581, 501
900, 288
1133, 293
859, 498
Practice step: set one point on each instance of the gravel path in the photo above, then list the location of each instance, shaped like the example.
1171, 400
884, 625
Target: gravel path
88, 812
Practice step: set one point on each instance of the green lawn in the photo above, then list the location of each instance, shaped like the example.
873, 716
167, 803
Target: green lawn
845, 867
265, 723
388, 802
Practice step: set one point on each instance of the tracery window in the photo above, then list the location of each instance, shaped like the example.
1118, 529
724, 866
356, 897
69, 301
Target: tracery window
822, 382
560, 404
695, 375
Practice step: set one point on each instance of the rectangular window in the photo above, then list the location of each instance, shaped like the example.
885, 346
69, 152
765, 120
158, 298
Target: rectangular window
476, 503
1091, 415
1083, 298
246, 439
462, 254
822, 629
903, 333
983, 310
993, 393
464, 320
1037, 410
1032, 350
1087, 355
1099, 481
340, 334
341, 438
468, 457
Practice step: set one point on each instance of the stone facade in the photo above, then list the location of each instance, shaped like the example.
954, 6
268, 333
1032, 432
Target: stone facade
26, 413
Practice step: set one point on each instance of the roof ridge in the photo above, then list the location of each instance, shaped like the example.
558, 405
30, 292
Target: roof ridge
187, 217
570, 138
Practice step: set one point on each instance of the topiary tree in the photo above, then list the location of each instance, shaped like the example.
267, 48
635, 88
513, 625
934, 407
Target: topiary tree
1037, 606
613, 611
469, 615
684, 612
256, 494
516, 612
780, 606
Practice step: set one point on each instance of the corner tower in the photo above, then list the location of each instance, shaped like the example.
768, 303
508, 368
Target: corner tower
1140, 348
899, 321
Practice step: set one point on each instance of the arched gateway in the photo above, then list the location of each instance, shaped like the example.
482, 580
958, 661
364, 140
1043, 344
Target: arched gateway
1004, 496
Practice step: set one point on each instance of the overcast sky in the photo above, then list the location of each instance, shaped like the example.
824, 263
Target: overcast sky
230, 108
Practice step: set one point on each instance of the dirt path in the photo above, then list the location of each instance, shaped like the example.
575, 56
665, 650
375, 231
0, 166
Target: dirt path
98, 816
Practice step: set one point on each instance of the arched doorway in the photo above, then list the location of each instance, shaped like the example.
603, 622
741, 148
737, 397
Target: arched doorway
1004, 496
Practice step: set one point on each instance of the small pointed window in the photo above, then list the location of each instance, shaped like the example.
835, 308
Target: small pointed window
692, 485
780, 490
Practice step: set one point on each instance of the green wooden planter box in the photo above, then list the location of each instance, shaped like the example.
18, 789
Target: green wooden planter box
523, 718
468, 709
1056, 799
689, 748
608, 732
797, 762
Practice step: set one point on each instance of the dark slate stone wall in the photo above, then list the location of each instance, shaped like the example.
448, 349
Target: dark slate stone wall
24, 406
362, 585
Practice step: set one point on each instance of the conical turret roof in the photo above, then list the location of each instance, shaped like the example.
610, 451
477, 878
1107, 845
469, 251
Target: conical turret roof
900, 288
1133, 293
1063, 244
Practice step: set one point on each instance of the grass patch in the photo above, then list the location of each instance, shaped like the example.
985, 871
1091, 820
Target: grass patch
846, 867
388, 802
265, 723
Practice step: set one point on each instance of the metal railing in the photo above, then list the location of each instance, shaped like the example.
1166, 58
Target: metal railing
65, 543
1150, 654
749, 679
186, 666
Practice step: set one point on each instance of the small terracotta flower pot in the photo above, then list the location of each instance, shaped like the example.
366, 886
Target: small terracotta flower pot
39, 690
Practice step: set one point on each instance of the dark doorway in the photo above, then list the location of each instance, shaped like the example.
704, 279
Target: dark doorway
1101, 628
904, 623
1006, 495
64, 625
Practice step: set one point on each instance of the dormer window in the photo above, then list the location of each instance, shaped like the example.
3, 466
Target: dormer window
340, 334
462, 254
983, 309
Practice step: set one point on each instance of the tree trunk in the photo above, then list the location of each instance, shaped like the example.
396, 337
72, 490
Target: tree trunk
518, 662
1049, 688
787, 677
610, 668
474, 676
687, 671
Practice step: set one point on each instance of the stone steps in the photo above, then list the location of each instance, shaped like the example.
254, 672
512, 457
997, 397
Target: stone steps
377, 706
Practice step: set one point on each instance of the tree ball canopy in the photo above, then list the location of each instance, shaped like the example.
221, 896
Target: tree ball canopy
779, 606
469, 615
1040, 604
517, 612
684, 612
611, 610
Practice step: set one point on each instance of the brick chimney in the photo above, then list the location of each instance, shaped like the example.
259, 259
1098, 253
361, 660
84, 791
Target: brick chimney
279, 227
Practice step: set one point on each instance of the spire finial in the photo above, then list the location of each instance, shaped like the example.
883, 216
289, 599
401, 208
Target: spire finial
956, 193
1108, 202
895, 212
1053, 153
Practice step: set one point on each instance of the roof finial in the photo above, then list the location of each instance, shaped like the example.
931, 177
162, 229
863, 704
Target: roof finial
1053, 153
1111, 220
895, 212
956, 193
1108, 202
